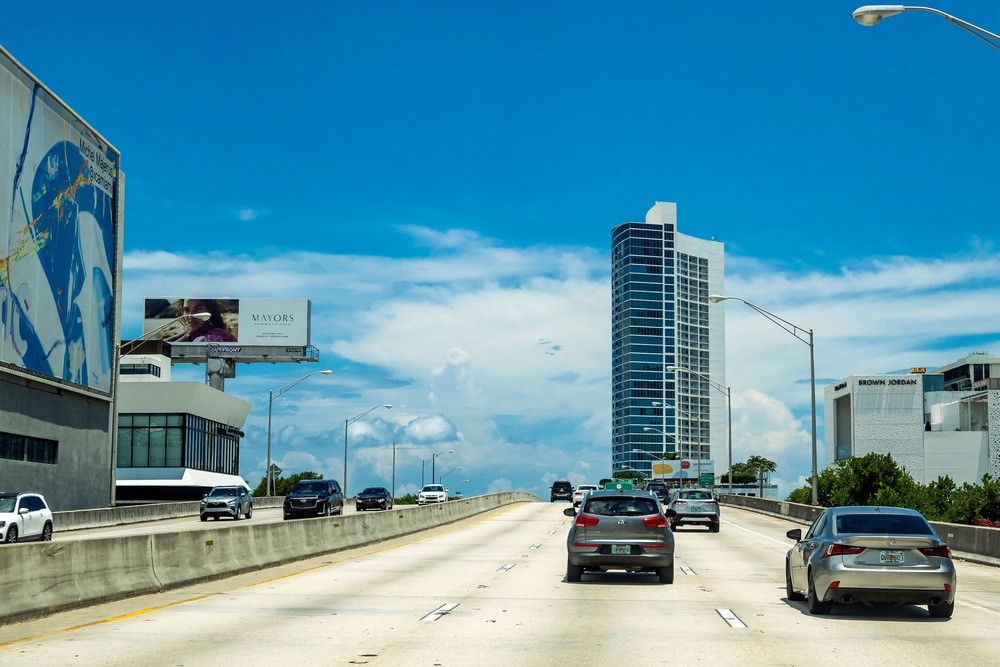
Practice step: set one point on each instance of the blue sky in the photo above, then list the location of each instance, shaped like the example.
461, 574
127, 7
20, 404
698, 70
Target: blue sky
441, 180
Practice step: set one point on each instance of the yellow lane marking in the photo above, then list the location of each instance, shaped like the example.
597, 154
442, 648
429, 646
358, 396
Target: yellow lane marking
140, 612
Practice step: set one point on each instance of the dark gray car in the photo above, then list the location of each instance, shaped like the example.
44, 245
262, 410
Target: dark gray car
620, 530
229, 501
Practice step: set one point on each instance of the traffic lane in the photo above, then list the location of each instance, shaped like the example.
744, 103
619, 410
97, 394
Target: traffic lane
180, 524
367, 609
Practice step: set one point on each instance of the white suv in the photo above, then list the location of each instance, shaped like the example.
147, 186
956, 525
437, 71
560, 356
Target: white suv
432, 493
24, 517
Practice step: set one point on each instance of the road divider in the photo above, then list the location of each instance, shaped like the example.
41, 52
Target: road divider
49, 577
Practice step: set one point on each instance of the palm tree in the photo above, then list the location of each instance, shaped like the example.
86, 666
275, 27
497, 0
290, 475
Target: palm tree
761, 467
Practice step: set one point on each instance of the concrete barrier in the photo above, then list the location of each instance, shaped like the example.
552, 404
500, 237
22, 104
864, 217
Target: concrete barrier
972, 543
105, 517
50, 577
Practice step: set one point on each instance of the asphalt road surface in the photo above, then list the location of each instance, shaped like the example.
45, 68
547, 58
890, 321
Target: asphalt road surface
490, 591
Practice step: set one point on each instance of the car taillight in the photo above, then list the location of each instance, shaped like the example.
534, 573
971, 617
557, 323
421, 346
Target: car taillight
842, 550
940, 552
658, 521
585, 520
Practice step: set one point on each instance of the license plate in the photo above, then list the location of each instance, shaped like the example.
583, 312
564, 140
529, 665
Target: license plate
621, 549
890, 557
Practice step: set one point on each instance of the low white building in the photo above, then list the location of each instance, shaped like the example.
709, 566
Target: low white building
927, 430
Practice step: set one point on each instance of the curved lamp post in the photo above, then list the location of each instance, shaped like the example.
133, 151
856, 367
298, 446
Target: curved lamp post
729, 405
870, 15
798, 332
348, 422
270, 401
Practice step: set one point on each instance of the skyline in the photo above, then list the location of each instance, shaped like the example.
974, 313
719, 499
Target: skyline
441, 180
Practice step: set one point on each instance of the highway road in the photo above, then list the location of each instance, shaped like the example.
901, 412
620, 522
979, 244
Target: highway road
490, 591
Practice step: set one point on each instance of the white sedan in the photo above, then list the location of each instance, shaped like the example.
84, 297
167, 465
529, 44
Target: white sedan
581, 491
432, 493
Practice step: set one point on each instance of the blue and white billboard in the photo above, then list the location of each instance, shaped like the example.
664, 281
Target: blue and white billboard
58, 222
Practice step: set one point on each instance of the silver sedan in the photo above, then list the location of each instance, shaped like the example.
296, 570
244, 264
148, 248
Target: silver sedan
870, 554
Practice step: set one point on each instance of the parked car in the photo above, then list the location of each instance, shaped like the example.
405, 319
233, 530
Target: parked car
581, 491
561, 490
432, 493
695, 506
870, 554
24, 517
314, 497
620, 530
230, 501
374, 497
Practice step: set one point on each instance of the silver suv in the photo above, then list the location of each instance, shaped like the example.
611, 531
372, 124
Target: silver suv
695, 506
620, 530
24, 517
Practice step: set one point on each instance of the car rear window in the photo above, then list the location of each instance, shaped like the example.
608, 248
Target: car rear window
696, 495
623, 506
882, 524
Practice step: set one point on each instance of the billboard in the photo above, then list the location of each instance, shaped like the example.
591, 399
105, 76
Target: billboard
59, 185
243, 321
682, 469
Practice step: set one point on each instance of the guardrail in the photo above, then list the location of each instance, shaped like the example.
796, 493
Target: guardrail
105, 517
972, 543
48, 577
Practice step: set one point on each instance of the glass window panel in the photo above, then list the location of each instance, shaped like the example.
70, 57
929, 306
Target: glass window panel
140, 420
175, 447
157, 447
157, 420
125, 447
140, 448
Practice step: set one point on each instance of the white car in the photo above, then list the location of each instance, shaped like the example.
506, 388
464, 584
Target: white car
24, 517
432, 493
581, 491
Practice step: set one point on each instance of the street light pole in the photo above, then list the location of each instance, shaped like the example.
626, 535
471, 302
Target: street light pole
348, 422
729, 400
275, 393
870, 15
796, 331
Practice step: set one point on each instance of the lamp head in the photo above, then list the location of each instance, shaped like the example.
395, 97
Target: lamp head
870, 15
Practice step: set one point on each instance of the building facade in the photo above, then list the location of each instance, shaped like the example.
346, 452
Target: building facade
663, 326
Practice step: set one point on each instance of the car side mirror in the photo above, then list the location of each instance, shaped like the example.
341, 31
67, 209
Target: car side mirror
794, 534
23, 510
670, 514
569, 511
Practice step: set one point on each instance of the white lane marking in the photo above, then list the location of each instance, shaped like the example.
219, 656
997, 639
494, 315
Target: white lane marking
786, 543
440, 611
535, 546
506, 567
976, 606
732, 619
688, 571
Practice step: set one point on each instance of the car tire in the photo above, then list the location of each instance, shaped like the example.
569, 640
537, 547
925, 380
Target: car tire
817, 607
573, 572
943, 610
47, 534
204, 517
11, 534
789, 591
666, 574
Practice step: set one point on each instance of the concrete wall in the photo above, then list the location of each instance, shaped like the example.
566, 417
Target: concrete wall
79, 423
962, 455
56, 576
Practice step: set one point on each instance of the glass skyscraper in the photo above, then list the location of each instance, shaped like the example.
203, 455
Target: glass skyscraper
662, 319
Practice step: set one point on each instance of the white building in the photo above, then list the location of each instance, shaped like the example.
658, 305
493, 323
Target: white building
927, 430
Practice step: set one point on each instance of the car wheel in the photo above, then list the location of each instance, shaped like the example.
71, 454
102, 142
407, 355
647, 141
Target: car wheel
943, 610
666, 574
817, 607
573, 572
789, 591
204, 517
11, 535
47, 534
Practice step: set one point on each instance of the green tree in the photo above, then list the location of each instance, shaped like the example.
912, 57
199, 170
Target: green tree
283, 485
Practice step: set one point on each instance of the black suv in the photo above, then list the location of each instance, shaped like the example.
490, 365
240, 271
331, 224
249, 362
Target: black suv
561, 491
314, 497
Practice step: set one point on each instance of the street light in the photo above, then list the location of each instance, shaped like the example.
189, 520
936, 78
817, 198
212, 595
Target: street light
434, 456
270, 400
348, 422
796, 331
870, 15
729, 400
441, 479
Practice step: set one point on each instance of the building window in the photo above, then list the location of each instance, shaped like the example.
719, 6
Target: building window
25, 448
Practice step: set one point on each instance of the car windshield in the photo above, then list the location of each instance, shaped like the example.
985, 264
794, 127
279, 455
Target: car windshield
372, 491
621, 506
310, 487
882, 524
433, 487
224, 491
7, 504
696, 495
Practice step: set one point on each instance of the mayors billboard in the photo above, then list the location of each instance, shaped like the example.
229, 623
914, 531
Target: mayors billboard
226, 320
59, 185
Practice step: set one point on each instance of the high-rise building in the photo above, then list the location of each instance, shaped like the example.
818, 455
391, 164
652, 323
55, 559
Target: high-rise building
662, 319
